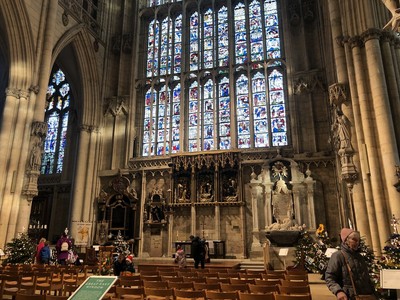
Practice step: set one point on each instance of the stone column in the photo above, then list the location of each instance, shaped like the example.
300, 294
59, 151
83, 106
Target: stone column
193, 199
217, 221
371, 166
143, 195
384, 125
81, 180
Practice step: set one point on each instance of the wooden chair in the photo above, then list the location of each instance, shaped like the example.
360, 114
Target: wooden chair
46, 285
206, 286
169, 273
297, 277
194, 279
186, 294
250, 276
150, 277
229, 287
155, 284
171, 279
251, 296
187, 274
127, 282
152, 293
294, 283
180, 285
296, 271
230, 270
28, 282
10, 284
166, 269
149, 273
241, 281
217, 280
262, 289
249, 271
215, 295
20, 296
269, 276
129, 293
267, 282
209, 274
54, 297
292, 297
228, 275
294, 290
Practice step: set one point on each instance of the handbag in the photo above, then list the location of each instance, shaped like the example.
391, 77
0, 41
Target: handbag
357, 297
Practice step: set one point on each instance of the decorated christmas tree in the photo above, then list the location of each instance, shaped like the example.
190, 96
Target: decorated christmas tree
20, 250
311, 250
391, 252
121, 246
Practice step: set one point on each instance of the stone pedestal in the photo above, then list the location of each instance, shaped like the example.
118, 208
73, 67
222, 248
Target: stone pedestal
283, 238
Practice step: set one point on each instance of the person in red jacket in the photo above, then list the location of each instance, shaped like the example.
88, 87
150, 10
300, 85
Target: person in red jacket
38, 248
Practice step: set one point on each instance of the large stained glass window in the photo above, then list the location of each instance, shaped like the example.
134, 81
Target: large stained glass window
56, 116
207, 91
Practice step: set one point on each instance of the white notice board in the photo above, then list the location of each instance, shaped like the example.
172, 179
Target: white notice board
390, 279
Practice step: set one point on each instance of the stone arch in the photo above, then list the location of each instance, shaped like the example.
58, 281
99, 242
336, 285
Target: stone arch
19, 38
82, 44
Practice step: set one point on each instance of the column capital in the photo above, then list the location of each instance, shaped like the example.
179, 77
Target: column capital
355, 41
371, 34
17, 93
88, 128
338, 94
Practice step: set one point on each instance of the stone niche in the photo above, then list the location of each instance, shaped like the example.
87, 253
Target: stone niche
282, 203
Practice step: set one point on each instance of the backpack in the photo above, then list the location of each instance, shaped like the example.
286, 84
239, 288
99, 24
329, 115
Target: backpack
43, 254
64, 246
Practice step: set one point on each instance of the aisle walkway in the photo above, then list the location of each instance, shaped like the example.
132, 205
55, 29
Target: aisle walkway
319, 290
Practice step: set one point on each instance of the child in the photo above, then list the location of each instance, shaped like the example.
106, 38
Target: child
180, 257
45, 254
129, 267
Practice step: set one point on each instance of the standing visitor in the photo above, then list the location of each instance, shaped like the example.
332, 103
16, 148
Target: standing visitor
347, 274
45, 254
64, 244
198, 251
180, 257
38, 249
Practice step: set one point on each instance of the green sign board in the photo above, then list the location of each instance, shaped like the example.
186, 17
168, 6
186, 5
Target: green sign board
94, 288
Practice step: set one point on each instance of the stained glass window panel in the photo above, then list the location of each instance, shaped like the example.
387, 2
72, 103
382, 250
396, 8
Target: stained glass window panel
194, 41
243, 116
240, 33
260, 111
208, 39
224, 114
223, 37
256, 31
56, 117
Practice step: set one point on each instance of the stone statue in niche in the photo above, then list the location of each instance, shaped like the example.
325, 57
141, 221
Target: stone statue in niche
182, 193
282, 202
230, 190
206, 192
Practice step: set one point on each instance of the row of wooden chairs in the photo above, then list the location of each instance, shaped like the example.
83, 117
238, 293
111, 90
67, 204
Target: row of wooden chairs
174, 294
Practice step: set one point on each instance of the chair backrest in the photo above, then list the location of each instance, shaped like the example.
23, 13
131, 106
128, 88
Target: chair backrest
240, 281
171, 279
296, 271
198, 294
267, 282
250, 276
120, 291
251, 296
230, 287
150, 278
298, 277
166, 293
168, 273
294, 283
221, 295
262, 289
217, 280
249, 271
20, 296
294, 290
187, 274
292, 297
180, 285
149, 273
130, 282
228, 275
206, 286
54, 297
269, 276
155, 284
194, 279
209, 274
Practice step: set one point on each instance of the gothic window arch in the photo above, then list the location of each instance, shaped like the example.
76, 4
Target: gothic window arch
227, 61
57, 112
